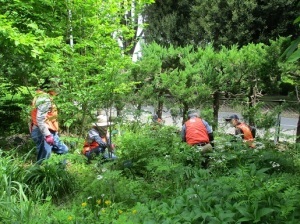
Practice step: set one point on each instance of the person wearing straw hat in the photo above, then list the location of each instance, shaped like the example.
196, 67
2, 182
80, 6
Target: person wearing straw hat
98, 142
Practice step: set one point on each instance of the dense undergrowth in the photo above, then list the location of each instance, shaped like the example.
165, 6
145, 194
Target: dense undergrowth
156, 179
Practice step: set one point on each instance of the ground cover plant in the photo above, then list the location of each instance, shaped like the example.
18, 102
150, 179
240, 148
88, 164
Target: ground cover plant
156, 179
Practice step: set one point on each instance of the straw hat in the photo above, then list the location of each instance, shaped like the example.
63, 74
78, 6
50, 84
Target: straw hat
103, 121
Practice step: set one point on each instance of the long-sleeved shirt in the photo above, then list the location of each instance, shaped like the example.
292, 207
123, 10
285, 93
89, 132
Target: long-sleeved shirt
94, 136
44, 114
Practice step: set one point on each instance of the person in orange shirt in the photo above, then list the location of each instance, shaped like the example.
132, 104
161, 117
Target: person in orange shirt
156, 119
44, 124
98, 142
197, 131
243, 130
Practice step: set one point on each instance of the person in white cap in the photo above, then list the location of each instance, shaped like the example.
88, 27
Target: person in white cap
98, 142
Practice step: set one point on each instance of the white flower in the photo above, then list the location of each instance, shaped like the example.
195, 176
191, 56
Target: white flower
99, 177
90, 197
274, 164
104, 170
193, 196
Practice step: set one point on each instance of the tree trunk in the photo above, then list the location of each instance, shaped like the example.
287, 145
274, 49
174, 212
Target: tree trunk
83, 120
160, 109
119, 107
139, 107
184, 112
298, 131
216, 107
251, 104
298, 125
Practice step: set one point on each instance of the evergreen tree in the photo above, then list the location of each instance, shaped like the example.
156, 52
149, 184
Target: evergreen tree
168, 22
221, 22
224, 22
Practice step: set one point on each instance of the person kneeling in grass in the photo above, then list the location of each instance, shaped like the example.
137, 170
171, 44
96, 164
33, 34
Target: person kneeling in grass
98, 143
198, 133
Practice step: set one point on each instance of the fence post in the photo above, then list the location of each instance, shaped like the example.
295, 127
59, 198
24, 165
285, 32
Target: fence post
277, 130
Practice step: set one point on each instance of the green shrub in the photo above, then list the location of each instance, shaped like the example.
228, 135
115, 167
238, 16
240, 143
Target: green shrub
51, 179
14, 111
249, 195
136, 149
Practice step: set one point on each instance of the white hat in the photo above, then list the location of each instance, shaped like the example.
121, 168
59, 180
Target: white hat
102, 121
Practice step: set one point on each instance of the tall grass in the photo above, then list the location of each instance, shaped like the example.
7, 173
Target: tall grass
15, 206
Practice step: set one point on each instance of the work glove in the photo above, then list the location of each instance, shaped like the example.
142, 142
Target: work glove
49, 139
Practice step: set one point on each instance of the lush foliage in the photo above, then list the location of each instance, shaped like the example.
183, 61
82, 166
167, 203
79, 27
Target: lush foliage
81, 51
85, 47
156, 179
73, 43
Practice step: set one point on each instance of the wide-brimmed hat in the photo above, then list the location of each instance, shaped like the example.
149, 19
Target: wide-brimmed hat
103, 121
